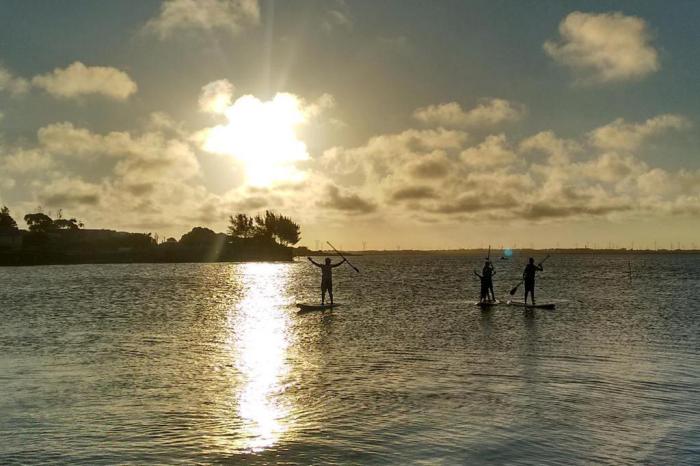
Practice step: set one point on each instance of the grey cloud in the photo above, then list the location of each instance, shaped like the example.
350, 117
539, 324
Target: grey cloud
540, 211
346, 202
413, 193
69, 199
471, 203
430, 168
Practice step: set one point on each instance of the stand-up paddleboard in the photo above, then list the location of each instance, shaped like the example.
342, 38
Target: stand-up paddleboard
487, 304
303, 307
532, 306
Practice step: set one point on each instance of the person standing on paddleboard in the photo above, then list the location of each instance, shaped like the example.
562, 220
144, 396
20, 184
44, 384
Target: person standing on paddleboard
488, 272
326, 277
529, 278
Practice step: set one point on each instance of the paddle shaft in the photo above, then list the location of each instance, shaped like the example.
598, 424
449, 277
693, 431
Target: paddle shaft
515, 288
344, 258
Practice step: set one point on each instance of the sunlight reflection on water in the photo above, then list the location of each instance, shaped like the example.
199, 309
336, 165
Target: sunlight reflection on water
258, 343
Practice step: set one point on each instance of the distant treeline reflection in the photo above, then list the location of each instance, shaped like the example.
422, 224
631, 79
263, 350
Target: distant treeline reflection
266, 237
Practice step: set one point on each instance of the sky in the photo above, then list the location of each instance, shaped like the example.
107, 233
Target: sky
379, 125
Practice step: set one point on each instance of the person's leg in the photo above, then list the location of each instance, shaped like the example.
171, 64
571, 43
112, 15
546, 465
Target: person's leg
330, 293
532, 295
493, 295
526, 293
323, 293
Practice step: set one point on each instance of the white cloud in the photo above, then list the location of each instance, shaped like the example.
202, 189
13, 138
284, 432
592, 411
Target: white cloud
488, 112
493, 151
604, 47
77, 80
559, 151
216, 96
21, 161
230, 16
12, 84
619, 135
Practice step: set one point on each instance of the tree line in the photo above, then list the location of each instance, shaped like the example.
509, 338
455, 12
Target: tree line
270, 226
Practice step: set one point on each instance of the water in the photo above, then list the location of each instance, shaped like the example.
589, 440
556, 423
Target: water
210, 363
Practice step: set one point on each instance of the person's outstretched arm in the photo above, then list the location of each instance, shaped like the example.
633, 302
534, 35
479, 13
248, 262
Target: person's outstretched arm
314, 262
539, 267
340, 263
493, 272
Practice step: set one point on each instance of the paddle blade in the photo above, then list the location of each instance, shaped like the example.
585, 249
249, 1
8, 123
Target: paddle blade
514, 289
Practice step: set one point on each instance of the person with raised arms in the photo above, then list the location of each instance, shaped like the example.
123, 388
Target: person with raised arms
326, 277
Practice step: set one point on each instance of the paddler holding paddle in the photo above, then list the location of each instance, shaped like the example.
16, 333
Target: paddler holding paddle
326, 277
529, 278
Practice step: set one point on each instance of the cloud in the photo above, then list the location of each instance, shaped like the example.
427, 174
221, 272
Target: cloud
12, 84
559, 151
70, 192
23, 161
433, 165
606, 47
473, 203
493, 151
347, 202
619, 135
216, 96
77, 80
548, 210
413, 193
337, 15
231, 16
489, 112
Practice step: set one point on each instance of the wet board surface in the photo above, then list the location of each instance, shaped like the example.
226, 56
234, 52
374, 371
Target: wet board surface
304, 307
530, 306
487, 304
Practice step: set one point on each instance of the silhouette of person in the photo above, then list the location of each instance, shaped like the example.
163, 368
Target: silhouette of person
326, 277
488, 272
484, 294
529, 278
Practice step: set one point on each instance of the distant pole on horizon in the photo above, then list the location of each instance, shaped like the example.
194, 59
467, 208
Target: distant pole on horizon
364, 245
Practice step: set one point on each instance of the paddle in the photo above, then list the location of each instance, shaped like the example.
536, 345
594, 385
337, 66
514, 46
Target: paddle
341, 255
515, 288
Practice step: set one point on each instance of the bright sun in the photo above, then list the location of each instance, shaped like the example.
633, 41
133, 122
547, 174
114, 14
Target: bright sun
262, 135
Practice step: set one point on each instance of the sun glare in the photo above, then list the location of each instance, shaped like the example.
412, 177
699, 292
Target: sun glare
262, 135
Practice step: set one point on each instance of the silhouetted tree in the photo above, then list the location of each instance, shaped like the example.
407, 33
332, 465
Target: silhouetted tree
269, 225
287, 232
198, 236
241, 226
6, 220
42, 223
266, 226
39, 222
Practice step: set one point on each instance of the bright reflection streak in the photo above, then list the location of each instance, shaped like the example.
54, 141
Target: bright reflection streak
259, 344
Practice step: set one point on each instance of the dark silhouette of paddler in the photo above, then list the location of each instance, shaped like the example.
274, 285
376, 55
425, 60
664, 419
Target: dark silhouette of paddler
529, 278
326, 277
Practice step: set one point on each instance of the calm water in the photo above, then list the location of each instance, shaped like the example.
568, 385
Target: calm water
210, 363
